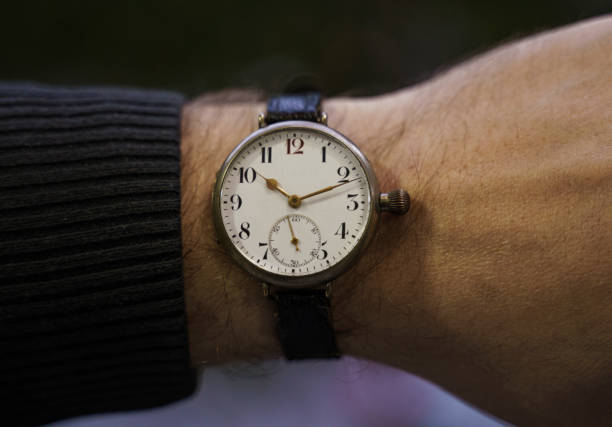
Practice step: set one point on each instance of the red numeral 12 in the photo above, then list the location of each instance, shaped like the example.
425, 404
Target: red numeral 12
294, 146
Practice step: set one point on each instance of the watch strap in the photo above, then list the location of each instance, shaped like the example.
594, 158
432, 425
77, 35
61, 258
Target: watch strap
295, 106
304, 324
303, 316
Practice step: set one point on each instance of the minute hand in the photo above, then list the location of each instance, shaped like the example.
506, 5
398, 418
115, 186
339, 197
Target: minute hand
326, 189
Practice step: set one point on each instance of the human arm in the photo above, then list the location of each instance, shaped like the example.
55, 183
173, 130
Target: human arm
497, 287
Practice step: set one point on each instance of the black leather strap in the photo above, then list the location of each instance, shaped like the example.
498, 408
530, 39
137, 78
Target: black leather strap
304, 324
298, 106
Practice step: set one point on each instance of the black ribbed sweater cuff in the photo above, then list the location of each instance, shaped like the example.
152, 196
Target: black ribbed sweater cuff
91, 296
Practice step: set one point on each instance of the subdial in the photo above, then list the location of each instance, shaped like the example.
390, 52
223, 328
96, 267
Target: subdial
295, 240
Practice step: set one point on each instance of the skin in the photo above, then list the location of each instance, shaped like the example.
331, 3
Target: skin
497, 284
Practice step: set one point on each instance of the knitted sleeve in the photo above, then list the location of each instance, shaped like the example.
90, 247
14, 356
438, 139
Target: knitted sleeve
92, 313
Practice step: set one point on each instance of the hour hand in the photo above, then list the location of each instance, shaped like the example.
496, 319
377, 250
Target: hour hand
273, 185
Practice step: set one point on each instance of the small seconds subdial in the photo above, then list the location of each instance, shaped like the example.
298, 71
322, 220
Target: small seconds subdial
294, 240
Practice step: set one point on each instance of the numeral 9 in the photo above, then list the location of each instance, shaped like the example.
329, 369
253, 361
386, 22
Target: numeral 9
236, 201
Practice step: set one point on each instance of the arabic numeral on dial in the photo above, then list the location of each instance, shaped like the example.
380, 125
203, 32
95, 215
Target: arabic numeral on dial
322, 252
266, 154
265, 255
245, 233
236, 201
247, 175
341, 231
353, 205
295, 145
343, 173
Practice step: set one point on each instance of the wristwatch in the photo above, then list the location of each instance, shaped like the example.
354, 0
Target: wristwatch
295, 204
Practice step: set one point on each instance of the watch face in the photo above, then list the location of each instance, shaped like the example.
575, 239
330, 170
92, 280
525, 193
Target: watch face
295, 202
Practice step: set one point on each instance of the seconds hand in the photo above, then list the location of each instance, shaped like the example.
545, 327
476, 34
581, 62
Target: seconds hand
294, 239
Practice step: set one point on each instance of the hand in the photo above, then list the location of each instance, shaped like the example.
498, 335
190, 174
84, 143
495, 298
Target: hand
293, 199
273, 185
496, 286
294, 240
326, 189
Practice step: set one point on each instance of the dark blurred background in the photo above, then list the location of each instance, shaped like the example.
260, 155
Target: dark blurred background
350, 47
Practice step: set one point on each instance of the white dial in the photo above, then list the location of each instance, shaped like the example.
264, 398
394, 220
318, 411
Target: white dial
299, 177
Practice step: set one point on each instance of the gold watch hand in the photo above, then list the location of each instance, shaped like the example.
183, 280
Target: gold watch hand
273, 185
326, 189
294, 239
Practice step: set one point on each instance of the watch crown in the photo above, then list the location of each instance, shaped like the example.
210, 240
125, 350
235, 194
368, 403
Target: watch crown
395, 201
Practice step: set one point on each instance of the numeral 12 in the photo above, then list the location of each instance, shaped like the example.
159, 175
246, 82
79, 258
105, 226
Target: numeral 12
295, 145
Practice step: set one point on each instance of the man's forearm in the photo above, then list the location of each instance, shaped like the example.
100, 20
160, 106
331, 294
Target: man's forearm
495, 285
228, 317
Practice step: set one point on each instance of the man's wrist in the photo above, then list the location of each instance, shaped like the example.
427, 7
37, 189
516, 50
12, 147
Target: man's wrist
228, 317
